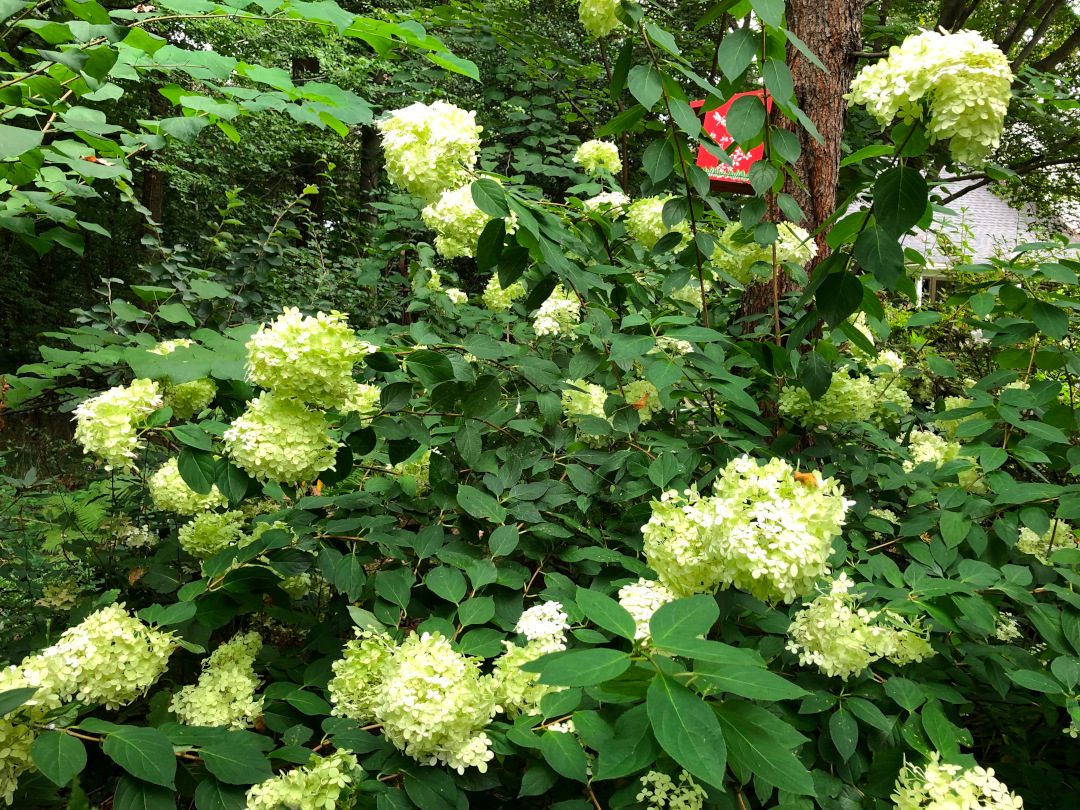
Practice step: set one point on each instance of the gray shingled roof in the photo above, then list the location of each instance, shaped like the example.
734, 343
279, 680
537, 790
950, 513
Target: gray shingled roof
988, 224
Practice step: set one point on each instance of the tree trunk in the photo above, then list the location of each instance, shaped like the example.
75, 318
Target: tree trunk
370, 155
831, 29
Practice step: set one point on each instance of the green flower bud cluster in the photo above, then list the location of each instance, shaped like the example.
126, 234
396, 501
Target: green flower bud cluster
187, 399
842, 639
1060, 535
595, 155
108, 425
952, 787
211, 533
225, 693
645, 221
458, 223
428, 148
765, 531
498, 299
326, 783
848, 399
170, 493
433, 703
963, 80
598, 16
278, 439
737, 252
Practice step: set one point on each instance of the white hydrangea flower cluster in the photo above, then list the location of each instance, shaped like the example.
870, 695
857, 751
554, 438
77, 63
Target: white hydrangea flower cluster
615, 200
645, 221
765, 531
187, 399
320, 785
598, 16
211, 533
1006, 627
308, 358
927, 446
517, 692
642, 599
736, 255
457, 297
225, 693
432, 702
431, 280
559, 314
843, 639
1060, 535
279, 439
595, 155
17, 733
963, 79
429, 148
498, 299
365, 401
111, 657
672, 346
136, 536
170, 493
691, 292
945, 786
458, 223
108, 425
849, 399
167, 347
660, 792
580, 399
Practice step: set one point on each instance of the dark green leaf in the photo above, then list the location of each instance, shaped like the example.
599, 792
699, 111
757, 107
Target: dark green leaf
815, 373
687, 730
839, 295
645, 85
750, 733
135, 794
606, 612
480, 504
900, 197
564, 754
879, 252
11, 699
198, 469
579, 667
59, 756
490, 198
235, 763
143, 752
745, 118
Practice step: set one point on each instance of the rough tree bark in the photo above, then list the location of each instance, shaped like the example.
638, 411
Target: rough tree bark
831, 29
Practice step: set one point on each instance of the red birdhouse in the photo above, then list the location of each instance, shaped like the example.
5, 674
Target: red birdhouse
734, 179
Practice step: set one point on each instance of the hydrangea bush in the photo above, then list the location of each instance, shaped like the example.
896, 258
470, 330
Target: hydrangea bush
596, 536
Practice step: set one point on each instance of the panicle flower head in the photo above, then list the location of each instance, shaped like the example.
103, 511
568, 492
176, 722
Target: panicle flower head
309, 358
210, 533
765, 531
598, 16
418, 469
581, 399
616, 200
434, 704
358, 675
498, 299
595, 155
225, 693
429, 147
691, 293
170, 492
645, 222
943, 786
642, 599
545, 626
672, 346
17, 733
1006, 627
320, 785
167, 347
365, 401
278, 439
963, 79
926, 446
458, 223
737, 252
660, 792
842, 639
457, 297
559, 314
643, 397
848, 399
108, 425
110, 657
187, 399
1060, 535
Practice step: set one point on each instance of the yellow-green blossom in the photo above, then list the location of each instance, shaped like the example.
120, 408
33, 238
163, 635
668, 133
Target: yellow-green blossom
108, 425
